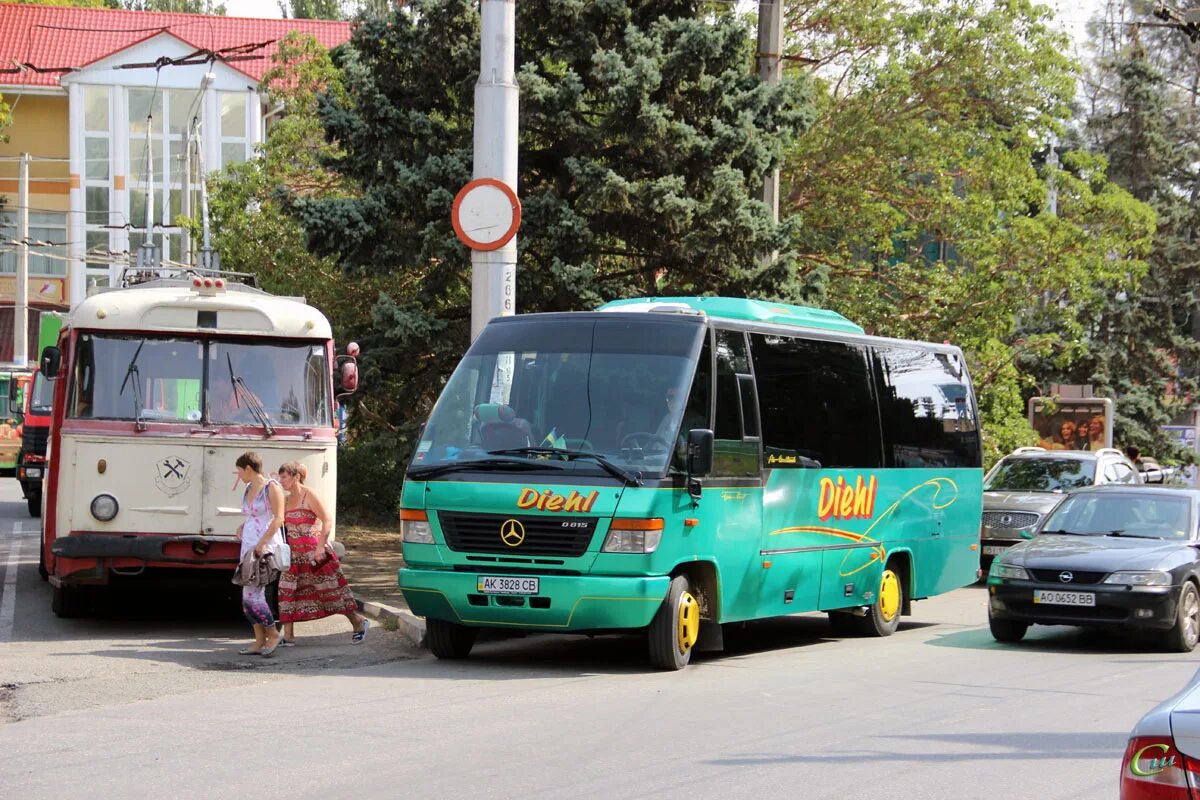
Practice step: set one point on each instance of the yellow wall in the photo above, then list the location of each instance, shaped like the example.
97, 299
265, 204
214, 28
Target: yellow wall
40, 127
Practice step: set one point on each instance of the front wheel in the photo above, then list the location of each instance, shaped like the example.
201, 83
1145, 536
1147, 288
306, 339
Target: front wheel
883, 617
1007, 630
675, 628
1183, 635
449, 639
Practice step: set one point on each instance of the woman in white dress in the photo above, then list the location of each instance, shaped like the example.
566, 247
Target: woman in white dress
261, 532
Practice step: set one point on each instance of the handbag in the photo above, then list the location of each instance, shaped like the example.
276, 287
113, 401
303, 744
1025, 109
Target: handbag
283, 557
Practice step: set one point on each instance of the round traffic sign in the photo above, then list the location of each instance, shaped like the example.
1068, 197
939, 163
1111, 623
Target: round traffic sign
486, 214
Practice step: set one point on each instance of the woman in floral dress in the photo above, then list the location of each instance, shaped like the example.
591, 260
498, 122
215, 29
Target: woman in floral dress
313, 587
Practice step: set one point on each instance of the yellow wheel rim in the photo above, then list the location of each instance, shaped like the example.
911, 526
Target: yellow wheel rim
889, 596
689, 622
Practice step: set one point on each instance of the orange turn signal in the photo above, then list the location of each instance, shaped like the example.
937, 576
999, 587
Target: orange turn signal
691, 522
413, 515
626, 524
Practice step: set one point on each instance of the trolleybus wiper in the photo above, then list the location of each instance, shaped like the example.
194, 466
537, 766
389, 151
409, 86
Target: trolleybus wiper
420, 473
608, 466
240, 389
132, 370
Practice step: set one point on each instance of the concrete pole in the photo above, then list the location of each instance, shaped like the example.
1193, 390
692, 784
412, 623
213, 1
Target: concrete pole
494, 273
770, 70
21, 317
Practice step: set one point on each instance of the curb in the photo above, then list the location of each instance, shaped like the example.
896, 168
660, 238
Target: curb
409, 624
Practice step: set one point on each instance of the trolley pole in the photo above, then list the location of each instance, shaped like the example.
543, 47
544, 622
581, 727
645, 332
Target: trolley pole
21, 307
494, 272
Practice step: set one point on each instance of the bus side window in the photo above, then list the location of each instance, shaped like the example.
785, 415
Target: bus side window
928, 420
735, 431
817, 403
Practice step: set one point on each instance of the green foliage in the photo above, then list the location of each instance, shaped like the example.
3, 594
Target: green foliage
644, 139
313, 9
171, 6
921, 191
73, 3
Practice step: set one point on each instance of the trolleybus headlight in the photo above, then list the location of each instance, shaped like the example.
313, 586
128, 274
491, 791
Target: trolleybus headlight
633, 536
414, 527
104, 507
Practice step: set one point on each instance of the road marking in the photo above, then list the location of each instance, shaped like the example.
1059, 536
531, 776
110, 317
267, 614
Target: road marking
8, 599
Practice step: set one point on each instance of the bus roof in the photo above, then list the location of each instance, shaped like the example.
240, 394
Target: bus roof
744, 309
175, 306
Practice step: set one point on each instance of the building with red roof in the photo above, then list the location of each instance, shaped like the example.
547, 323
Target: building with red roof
91, 92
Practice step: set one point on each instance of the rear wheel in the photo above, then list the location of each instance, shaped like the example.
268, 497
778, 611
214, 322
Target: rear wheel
449, 639
43, 573
883, 617
34, 501
1007, 630
675, 628
1183, 635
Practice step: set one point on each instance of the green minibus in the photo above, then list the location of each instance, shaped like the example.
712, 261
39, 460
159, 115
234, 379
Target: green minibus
672, 465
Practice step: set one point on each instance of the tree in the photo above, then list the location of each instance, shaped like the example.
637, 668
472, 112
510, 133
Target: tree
644, 139
313, 9
921, 191
171, 6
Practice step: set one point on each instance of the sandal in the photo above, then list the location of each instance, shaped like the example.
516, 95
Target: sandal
359, 635
267, 652
246, 651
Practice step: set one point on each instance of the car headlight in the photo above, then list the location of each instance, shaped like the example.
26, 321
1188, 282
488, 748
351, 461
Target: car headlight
414, 527
633, 536
1142, 578
1009, 572
104, 507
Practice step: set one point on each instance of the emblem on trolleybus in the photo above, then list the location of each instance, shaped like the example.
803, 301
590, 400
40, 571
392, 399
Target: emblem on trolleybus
171, 475
512, 532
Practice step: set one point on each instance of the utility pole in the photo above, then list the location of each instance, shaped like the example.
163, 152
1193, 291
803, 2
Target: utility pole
770, 70
494, 272
21, 309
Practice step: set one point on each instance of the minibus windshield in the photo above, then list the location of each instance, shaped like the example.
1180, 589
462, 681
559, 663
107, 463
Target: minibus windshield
609, 387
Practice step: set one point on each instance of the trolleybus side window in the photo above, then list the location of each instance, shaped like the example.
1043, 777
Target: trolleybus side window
817, 402
735, 431
926, 408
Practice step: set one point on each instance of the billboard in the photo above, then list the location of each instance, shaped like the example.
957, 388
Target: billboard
1080, 423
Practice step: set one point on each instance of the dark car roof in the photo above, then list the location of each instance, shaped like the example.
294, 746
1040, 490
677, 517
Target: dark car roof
1138, 489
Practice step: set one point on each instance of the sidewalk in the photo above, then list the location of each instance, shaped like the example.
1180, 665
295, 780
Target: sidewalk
370, 564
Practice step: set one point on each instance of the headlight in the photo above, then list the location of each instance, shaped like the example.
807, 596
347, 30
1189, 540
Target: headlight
633, 536
1144, 578
1009, 572
104, 507
414, 527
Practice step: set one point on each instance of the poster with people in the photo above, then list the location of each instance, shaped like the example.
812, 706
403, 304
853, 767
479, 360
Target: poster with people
1075, 424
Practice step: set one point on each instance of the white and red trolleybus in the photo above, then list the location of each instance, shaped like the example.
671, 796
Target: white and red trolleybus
158, 387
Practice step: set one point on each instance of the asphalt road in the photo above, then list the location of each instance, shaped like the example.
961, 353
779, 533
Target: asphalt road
138, 704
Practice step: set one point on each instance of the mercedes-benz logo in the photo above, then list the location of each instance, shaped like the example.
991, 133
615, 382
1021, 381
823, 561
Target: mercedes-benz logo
1066, 577
512, 532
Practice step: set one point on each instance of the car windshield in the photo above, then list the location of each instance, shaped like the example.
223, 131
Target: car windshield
1142, 514
167, 379
1040, 475
613, 387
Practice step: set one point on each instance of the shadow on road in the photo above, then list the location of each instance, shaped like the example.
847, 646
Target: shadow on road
1055, 639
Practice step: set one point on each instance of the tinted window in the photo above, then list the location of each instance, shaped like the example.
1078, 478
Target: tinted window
735, 446
1039, 475
926, 409
817, 403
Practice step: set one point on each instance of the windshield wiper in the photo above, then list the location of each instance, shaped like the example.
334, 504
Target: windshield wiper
1129, 535
132, 371
1062, 532
634, 478
420, 473
240, 389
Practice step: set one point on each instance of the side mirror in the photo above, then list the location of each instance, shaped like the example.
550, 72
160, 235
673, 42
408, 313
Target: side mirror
699, 452
349, 375
51, 362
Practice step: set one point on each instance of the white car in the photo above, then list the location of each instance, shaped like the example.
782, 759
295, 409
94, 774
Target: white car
1162, 759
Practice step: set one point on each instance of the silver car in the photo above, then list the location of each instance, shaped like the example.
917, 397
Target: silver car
1028, 483
1162, 757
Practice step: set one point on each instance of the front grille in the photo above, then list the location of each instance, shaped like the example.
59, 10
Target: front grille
544, 536
33, 440
1052, 576
1010, 520
1098, 613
